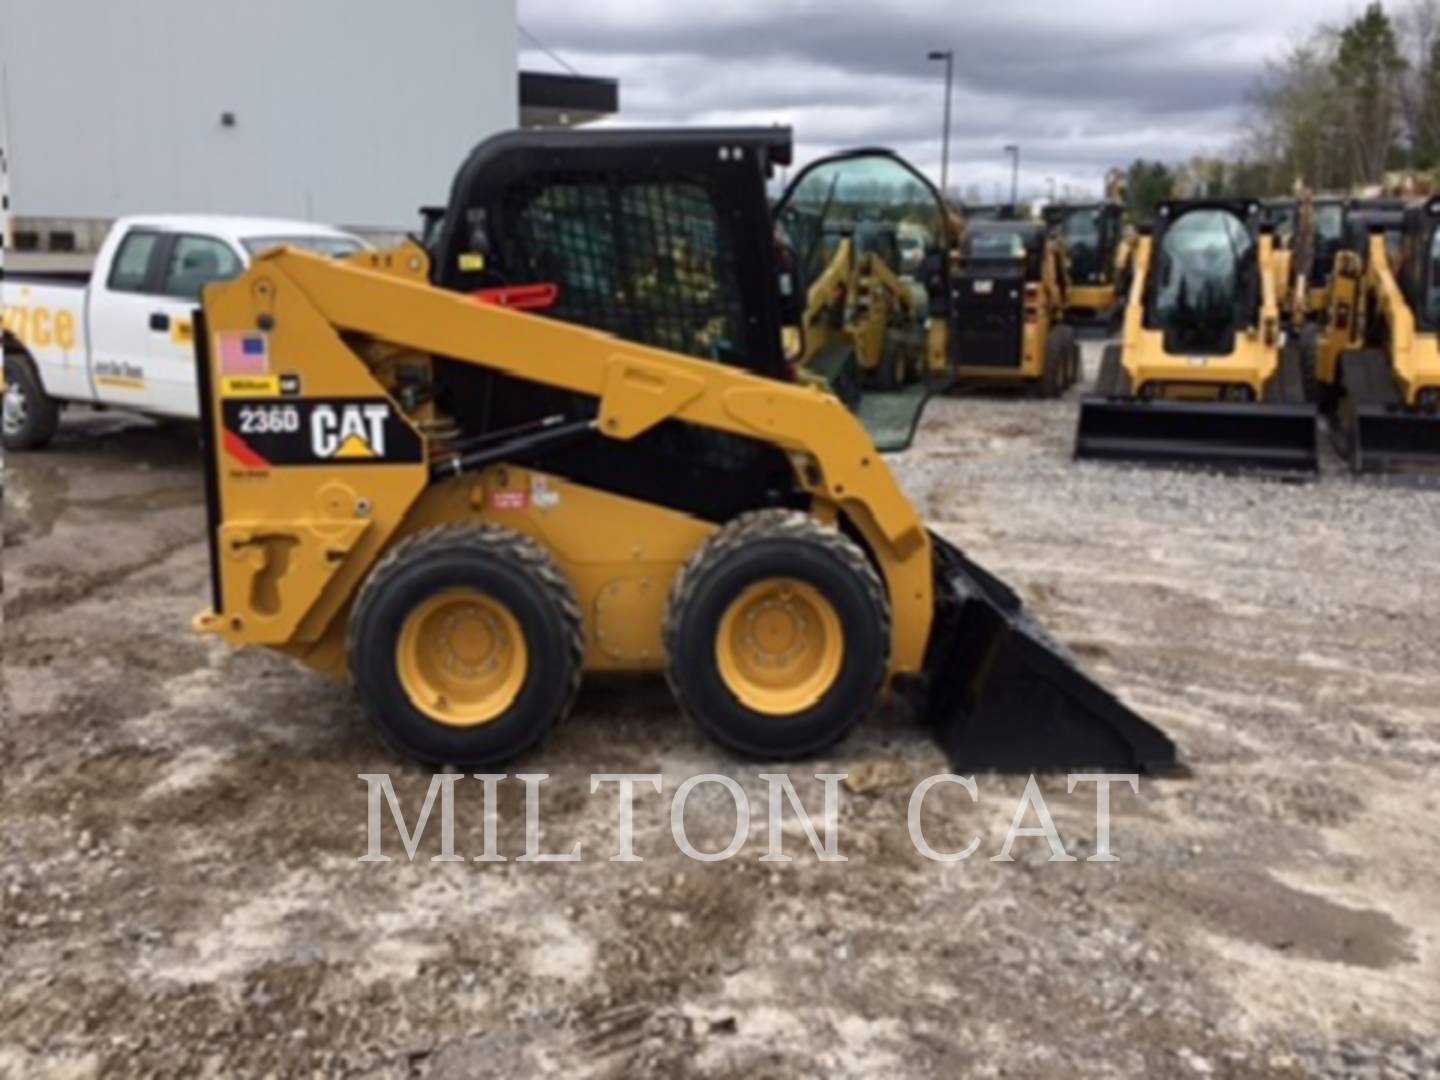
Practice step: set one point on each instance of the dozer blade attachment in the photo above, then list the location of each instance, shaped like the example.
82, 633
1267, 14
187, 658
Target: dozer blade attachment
1384, 441
1001, 695
1216, 435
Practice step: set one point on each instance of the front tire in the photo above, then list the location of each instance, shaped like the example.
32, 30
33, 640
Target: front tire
31, 416
777, 635
466, 645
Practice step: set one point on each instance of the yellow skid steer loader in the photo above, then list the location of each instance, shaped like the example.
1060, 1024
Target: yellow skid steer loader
464, 506
1203, 375
1375, 362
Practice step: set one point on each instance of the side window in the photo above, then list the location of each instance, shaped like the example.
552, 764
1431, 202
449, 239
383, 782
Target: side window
196, 261
132, 262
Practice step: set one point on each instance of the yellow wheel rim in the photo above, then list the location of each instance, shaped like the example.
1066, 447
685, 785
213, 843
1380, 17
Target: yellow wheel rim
462, 658
780, 646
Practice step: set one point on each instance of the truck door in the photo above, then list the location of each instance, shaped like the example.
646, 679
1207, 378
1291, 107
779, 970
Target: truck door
119, 314
190, 262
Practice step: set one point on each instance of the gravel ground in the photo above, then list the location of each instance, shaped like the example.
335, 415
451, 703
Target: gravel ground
181, 892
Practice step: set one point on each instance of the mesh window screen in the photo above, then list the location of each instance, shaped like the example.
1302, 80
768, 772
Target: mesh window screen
645, 260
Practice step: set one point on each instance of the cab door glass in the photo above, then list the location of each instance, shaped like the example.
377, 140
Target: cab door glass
875, 201
197, 261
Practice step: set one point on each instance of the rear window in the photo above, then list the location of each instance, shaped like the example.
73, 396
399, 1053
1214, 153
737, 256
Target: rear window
334, 246
132, 262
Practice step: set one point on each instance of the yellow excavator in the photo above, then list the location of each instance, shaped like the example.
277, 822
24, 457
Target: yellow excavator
461, 504
1203, 375
1374, 362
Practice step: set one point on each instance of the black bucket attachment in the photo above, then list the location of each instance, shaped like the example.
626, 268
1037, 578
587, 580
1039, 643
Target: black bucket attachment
1385, 440
1001, 696
1215, 435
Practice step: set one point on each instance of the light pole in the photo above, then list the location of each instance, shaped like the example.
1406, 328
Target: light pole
948, 55
1014, 152
1050, 181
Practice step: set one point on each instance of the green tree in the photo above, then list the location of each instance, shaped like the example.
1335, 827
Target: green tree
1368, 69
1148, 184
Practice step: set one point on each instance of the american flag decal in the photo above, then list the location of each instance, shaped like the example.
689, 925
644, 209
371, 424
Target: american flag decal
243, 354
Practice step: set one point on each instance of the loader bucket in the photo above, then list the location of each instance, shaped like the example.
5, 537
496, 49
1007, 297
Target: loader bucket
1002, 696
1216, 435
1383, 440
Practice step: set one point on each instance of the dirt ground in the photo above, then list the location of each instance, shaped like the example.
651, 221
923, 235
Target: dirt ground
181, 892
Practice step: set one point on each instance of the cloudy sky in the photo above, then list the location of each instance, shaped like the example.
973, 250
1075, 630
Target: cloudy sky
1080, 85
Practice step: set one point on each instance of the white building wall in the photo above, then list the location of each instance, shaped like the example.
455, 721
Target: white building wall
347, 111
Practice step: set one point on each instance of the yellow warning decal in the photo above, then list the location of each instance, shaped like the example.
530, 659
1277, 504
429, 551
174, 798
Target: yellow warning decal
472, 261
250, 386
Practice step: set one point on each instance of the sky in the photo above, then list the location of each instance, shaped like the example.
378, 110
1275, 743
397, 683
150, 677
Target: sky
1079, 86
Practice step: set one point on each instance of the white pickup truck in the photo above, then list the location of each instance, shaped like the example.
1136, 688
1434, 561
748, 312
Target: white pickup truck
123, 338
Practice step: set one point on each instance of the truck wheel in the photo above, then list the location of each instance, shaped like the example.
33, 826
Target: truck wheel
466, 645
30, 415
777, 635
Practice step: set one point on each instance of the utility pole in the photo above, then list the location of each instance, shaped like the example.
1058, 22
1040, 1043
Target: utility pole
948, 55
1014, 152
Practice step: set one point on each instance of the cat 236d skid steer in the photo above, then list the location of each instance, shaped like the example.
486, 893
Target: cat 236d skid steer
464, 506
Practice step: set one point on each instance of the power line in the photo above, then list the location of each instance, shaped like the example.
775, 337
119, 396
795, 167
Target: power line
546, 49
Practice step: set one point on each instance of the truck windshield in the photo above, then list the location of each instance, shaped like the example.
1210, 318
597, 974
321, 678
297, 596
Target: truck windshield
334, 246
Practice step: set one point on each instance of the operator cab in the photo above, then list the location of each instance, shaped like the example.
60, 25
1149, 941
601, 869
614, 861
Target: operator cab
1419, 267
1091, 233
1204, 282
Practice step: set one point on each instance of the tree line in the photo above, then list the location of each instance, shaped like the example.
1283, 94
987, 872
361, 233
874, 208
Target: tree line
1347, 108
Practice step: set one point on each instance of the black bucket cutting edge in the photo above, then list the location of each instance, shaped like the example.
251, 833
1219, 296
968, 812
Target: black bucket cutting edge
1000, 695
1385, 439
1213, 435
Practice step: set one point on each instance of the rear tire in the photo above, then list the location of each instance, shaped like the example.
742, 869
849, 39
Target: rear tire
1057, 361
466, 645
1069, 351
31, 416
777, 635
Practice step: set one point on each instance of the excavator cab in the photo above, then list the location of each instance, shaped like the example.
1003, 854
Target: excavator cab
1203, 375
869, 236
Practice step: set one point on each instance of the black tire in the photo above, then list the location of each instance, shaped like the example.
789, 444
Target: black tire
1112, 381
1062, 340
1051, 383
1309, 339
754, 547
512, 570
1287, 386
31, 416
